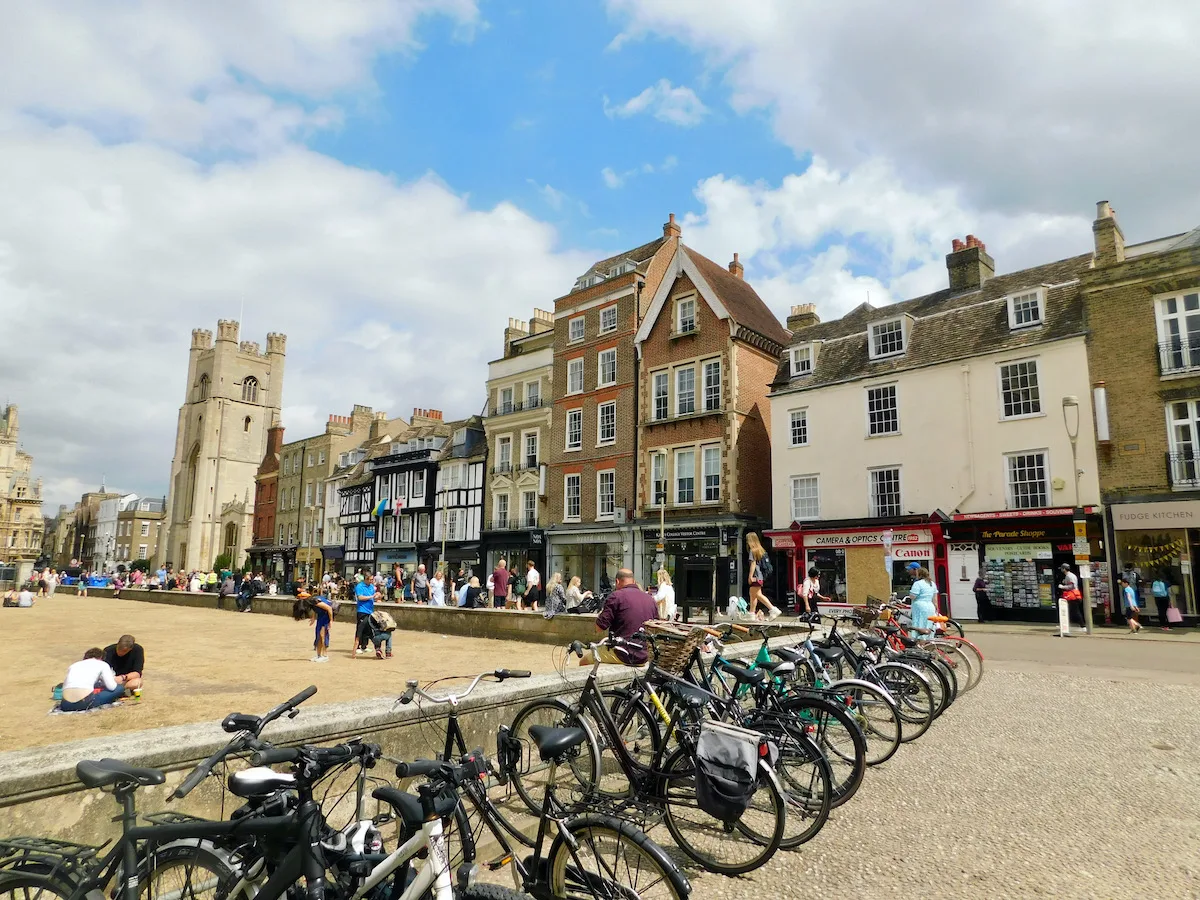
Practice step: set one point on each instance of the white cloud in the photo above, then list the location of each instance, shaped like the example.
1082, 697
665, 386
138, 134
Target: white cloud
1033, 107
611, 179
614, 179
674, 105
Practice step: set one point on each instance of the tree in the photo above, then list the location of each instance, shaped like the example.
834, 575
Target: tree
223, 562
140, 565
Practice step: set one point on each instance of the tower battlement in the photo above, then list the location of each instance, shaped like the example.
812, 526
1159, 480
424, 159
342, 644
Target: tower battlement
201, 339
227, 330
250, 347
276, 343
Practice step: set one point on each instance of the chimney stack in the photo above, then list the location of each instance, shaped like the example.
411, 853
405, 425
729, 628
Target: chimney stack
516, 330
803, 315
736, 268
541, 322
1110, 240
968, 264
671, 228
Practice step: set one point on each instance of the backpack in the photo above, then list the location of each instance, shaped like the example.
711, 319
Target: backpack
764, 567
383, 620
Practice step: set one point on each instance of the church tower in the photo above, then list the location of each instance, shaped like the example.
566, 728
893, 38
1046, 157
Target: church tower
233, 395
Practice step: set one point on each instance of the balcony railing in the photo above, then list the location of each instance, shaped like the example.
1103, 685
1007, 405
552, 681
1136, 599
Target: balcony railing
1183, 469
529, 465
504, 409
504, 468
1178, 355
502, 523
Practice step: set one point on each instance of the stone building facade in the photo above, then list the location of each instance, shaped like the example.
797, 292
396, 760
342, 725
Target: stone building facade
139, 527
21, 522
1142, 305
709, 348
232, 396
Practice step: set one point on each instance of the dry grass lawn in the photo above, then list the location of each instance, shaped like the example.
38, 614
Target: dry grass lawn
203, 663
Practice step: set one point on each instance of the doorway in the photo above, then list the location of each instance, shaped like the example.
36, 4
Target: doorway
963, 566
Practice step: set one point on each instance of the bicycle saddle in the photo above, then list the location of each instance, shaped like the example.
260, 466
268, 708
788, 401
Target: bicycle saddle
872, 640
829, 654
555, 742
744, 676
259, 781
778, 667
791, 654
96, 773
692, 695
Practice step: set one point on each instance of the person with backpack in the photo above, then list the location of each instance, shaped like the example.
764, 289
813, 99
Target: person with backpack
760, 571
382, 626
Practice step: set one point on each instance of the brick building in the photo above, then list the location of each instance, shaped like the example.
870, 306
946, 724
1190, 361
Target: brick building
592, 454
264, 546
1142, 304
139, 527
708, 348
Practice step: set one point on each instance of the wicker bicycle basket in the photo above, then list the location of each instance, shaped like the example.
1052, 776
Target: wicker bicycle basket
673, 650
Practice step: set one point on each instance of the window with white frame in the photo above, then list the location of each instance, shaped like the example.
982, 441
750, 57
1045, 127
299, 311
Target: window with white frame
1179, 332
1028, 479
506, 401
685, 391
606, 361
606, 493
1019, 393
308, 493
712, 385
712, 473
418, 484
685, 315
310, 459
456, 525
685, 476
287, 465
887, 338
658, 478
501, 503
389, 530
806, 497
574, 429
1026, 309
661, 390
504, 454
575, 376
533, 394
531, 450
452, 478
575, 329
802, 359
401, 491
142, 551
320, 457
529, 509
798, 428
608, 319
1183, 418
145, 529
571, 497
885, 492
606, 422
424, 527
883, 415
406, 529
384, 489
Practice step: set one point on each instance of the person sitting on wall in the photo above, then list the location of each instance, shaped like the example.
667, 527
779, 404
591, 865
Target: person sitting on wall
127, 660
625, 611
79, 688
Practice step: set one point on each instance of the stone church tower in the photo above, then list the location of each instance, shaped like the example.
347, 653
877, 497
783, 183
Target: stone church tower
232, 397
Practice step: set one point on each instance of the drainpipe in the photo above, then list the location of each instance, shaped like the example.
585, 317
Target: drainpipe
966, 384
637, 428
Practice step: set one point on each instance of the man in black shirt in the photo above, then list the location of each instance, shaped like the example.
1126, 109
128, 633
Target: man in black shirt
625, 611
128, 661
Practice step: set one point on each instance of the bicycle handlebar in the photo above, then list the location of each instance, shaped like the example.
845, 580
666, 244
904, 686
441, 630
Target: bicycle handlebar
413, 688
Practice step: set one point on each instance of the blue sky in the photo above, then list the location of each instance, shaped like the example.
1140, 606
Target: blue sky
387, 181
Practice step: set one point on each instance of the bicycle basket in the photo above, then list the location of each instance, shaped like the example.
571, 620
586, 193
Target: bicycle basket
673, 652
726, 770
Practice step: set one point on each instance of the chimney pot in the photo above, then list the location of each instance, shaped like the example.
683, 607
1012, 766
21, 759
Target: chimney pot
671, 228
736, 267
968, 264
1107, 235
804, 315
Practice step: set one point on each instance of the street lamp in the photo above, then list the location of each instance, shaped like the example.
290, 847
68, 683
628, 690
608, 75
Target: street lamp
1071, 416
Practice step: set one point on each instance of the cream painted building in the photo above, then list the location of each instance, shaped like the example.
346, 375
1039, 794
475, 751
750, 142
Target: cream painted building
938, 425
233, 394
517, 427
21, 522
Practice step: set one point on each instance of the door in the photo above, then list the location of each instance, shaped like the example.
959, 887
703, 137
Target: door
964, 567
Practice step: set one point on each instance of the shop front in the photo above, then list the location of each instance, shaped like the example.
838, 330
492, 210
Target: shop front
1160, 541
595, 556
1018, 553
390, 557
704, 561
515, 548
460, 555
332, 558
856, 562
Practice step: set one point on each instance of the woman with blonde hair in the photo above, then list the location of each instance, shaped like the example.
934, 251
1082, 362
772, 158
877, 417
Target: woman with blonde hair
575, 596
664, 597
556, 597
759, 569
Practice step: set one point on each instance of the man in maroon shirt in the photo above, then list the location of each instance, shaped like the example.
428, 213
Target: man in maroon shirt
625, 611
500, 585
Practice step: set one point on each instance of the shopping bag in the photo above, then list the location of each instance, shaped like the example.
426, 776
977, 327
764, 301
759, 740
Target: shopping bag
1174, 616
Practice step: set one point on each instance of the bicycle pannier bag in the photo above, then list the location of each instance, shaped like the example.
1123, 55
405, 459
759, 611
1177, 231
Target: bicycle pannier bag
726, 770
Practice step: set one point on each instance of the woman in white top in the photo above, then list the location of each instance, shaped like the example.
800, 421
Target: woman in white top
194, 583
575, 596
665, 596
437, 589
79, 687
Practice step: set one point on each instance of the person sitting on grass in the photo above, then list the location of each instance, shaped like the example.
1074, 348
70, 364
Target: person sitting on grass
79, 687
127, 659
319, 611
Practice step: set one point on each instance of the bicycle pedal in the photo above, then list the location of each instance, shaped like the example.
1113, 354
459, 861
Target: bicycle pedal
499, 863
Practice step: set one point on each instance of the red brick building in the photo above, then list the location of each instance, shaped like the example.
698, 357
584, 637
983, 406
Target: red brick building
708, 349
266, 499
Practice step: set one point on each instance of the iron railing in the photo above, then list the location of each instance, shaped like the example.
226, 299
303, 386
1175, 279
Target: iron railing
504, 409
1178, 355
1183, 469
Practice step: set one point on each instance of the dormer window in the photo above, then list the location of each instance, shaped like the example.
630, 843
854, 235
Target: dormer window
586, 281
1026, 309
621, 268
803, 359
888, 338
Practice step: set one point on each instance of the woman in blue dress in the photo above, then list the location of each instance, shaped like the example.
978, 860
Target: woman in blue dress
922, 596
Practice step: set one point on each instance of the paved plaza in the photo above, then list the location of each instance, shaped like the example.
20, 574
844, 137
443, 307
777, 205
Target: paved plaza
1073, 770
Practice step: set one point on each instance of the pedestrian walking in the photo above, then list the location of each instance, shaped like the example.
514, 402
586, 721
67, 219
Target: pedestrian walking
533, 583
983, 604
760, 570
364, 598
420, 585
664, 597
1130, 603
499, 580
1162, 599
437, 589
1069, 591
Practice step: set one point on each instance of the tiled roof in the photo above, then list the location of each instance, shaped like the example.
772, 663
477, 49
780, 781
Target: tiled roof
946, 326
742, 301
1191, 239
639, 255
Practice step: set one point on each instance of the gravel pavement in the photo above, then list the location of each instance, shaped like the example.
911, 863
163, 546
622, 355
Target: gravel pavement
1062, 780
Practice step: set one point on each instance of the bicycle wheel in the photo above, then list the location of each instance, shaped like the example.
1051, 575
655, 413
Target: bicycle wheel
939, 687
611, 858
840, 739
186, 872
641, 733
877, 715
728, 848
913, 695
974, 654
574, 782
16, 885
960, 661
807, 782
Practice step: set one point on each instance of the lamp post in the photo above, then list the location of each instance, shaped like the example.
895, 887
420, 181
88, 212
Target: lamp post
1070, 408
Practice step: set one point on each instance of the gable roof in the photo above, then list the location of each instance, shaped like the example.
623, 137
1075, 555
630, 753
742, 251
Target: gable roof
947, 325
727, 295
